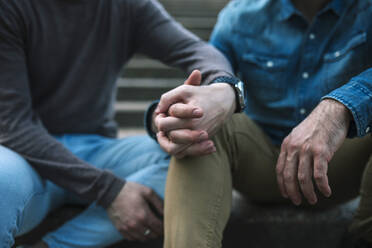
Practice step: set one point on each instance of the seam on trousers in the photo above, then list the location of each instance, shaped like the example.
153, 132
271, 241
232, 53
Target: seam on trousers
25, 205
15, 228
11, 230
26, 202
214, 214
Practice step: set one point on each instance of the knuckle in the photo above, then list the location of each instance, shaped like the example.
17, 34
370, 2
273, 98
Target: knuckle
285, 141
288, 176
279, 169
164, 97
133, 225
319, 151
305, 148
291, 156
302, 178
194, 137
141, 217
318, 176
160, 124
147, 191
183, 87
293, 147
172, 137
172, 110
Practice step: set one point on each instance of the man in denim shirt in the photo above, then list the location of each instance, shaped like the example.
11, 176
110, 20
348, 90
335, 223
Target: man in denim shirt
308, 80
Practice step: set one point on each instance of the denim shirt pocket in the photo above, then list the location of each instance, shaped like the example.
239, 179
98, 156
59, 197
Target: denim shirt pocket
267, 74
345, 60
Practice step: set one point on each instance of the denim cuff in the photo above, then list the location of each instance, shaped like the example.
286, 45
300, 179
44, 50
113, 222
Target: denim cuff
358, 100
148, 119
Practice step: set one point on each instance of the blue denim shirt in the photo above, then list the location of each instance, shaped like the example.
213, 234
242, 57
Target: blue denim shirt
289, 64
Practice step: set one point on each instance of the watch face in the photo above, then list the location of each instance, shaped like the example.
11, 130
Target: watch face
241, 95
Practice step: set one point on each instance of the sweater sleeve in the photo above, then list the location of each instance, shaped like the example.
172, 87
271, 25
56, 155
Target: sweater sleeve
22, 131
159, 36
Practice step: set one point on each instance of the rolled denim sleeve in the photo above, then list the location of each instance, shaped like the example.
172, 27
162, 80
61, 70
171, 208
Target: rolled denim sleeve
356, 95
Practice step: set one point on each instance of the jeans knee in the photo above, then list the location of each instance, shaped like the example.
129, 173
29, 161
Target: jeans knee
17, 185
17, 177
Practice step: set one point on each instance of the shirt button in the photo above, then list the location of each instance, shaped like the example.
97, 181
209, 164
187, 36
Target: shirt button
337, 54
305, 75
368, 129
302, 111
270, 64
311, 36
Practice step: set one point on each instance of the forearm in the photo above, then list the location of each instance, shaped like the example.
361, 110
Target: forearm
174, 45
357, 97
55, 163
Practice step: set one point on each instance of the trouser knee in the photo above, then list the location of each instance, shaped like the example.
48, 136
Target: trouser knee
17, 186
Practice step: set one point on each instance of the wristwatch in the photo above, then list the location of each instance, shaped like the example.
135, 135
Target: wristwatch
239, 90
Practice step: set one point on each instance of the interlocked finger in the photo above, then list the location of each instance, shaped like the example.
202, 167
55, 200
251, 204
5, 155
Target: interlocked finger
169, 123
168, 145
187, 136
184, 111
198, 149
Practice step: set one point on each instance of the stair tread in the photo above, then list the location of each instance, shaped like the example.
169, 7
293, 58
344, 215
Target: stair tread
131, 106
127, 132
149, 82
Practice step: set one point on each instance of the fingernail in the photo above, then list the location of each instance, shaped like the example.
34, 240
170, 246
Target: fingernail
196, 112
203, 136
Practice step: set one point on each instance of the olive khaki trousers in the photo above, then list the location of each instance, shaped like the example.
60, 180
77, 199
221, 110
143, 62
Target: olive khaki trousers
199, 189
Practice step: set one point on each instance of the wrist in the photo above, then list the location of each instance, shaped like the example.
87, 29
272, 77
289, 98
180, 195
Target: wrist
229, 96
239, 91
339, 111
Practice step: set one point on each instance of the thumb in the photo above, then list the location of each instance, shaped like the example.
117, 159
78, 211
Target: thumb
194, 78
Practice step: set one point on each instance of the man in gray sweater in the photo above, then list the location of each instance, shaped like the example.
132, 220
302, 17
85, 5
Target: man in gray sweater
59, 61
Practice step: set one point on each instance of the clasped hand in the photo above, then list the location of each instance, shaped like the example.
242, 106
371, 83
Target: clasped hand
189, 115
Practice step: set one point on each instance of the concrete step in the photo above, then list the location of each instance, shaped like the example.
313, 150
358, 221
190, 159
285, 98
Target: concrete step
250, 225
127, 132
130, 114
194, 7
140, 66
197, 22
145, 89
287, 226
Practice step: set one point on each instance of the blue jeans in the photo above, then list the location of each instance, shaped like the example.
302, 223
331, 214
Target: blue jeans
26, 198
